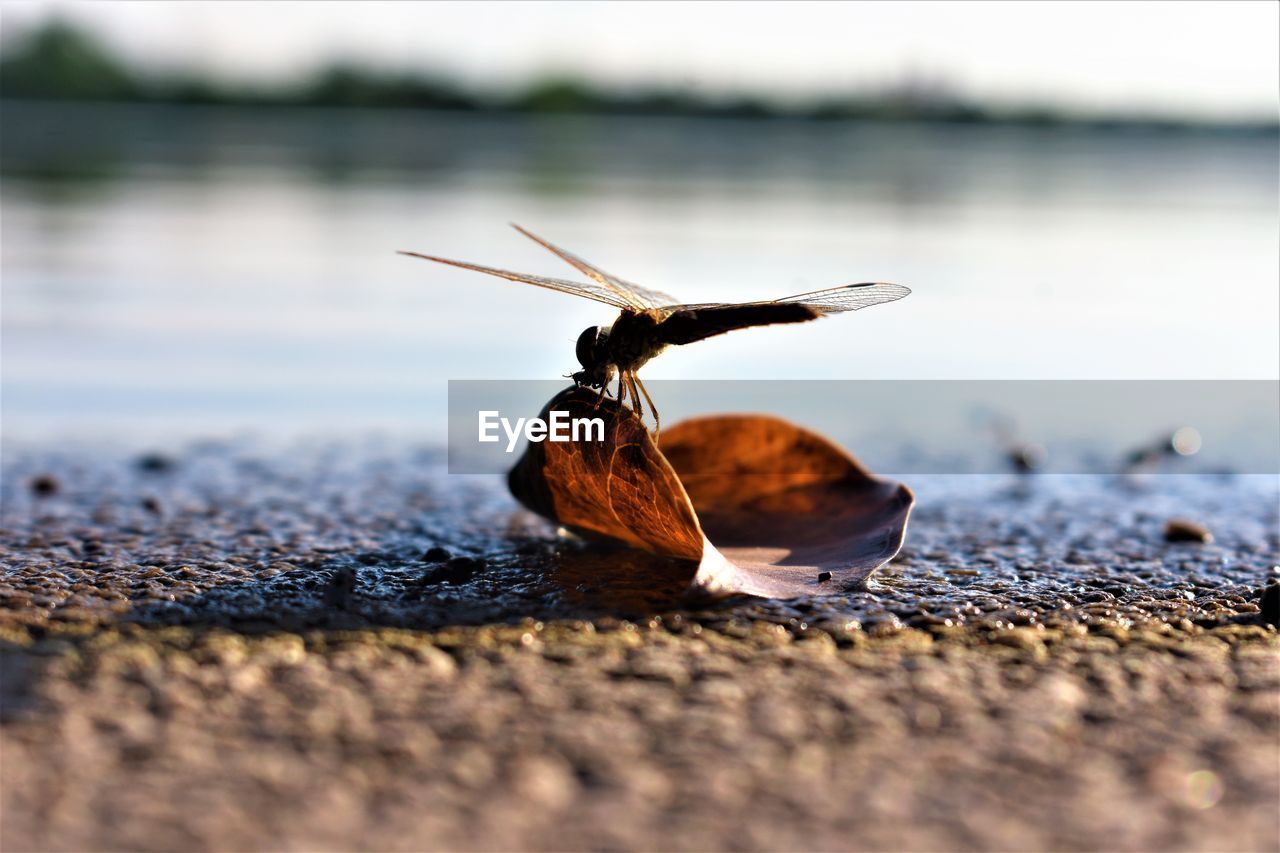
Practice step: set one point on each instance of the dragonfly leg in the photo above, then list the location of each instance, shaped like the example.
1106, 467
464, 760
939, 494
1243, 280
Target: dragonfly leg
635, 397
657, 423
604, 392
622, 390
600, 396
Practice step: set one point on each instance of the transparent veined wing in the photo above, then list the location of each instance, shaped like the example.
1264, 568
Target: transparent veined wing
633, 294
586, 290
833, 300
850, 297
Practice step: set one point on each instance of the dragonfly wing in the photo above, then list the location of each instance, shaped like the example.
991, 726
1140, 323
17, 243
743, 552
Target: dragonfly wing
850, 297
634, 295
833, 300
586, 290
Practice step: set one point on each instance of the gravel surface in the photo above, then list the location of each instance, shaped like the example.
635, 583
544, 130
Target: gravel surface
337, 646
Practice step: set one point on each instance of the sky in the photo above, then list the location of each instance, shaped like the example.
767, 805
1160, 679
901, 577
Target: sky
1210, 60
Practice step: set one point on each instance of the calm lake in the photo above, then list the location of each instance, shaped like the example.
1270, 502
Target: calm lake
199, 271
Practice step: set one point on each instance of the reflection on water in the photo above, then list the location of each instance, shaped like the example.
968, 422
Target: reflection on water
210, 268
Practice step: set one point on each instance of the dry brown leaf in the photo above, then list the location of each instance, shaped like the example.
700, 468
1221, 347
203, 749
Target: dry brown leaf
790, 513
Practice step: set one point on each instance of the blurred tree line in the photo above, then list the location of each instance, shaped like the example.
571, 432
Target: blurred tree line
59, 61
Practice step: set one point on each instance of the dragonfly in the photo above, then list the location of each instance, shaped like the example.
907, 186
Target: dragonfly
649, 321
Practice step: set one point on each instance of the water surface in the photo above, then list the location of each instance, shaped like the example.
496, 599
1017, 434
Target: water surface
206, 270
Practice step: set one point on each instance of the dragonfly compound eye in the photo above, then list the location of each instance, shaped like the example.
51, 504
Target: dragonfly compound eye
588, 346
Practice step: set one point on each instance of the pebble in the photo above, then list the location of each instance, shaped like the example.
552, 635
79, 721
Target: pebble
1027, 458
457, 571
1269, 604
155, 463
1182, 530
337, 593
545, 781
45, 486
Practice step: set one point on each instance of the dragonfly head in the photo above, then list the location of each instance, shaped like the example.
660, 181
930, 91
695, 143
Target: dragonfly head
593, 355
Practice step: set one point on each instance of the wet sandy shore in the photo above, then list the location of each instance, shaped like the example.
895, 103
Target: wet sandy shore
339, 647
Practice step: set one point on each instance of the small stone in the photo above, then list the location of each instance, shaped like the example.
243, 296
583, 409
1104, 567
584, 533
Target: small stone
1022, 639
546, 781
337, 593
457, 570
1027, 458
1269, 604
45, 486
155, 463
1181, 530
823, 577
151, 505
436, 555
